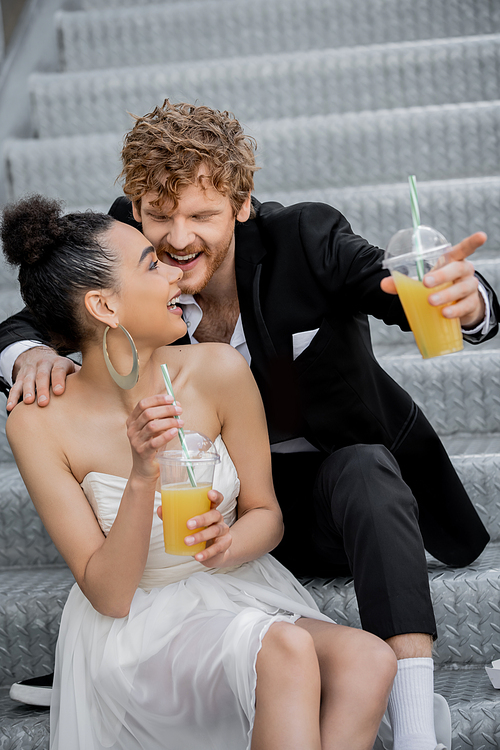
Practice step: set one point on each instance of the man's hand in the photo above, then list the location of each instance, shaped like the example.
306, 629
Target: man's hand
35, 370
464, 300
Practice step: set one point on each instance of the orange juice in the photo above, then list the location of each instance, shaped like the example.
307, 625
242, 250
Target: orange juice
433, 333
180, 502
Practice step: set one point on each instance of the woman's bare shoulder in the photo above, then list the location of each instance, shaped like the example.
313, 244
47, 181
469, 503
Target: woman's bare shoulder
221, 359
26, 416
32, 419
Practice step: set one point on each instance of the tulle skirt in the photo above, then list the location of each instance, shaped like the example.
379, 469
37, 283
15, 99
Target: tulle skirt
178, 673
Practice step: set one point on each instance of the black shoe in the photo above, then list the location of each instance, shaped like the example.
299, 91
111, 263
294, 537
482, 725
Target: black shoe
36, 691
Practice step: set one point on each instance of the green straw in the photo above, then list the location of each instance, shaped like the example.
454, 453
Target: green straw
415, 215
170, 391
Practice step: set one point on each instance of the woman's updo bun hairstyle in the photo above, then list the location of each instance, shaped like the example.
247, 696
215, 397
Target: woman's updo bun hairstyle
31, 229
60, 257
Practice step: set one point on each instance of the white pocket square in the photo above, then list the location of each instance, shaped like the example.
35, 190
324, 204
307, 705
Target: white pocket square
302, 340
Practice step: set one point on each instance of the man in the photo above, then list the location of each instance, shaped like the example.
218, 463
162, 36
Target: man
290, 288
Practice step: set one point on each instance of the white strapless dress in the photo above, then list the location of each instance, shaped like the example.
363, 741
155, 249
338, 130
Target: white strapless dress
178, 672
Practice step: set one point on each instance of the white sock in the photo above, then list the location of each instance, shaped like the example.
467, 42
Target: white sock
411, 705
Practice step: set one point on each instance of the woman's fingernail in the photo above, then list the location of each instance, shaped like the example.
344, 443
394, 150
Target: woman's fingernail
200, 556
57, 388
189, 540
435, 299
28, 395
178, 409
42, 399
191, 524
430, 280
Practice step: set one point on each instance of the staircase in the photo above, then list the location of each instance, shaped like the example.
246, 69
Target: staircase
346, 98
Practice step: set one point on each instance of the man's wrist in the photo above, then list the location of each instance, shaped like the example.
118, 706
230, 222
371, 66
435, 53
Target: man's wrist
484, 324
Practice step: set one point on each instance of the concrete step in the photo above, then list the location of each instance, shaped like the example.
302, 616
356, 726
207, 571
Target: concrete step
474, 706
222, 28
459, 392
391, 339
281, 85
31, 603
456, 207
324, 151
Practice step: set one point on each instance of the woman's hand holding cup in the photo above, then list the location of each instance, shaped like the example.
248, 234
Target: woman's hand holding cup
150, 427
216, 533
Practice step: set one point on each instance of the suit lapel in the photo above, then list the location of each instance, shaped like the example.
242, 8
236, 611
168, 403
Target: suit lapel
249, 254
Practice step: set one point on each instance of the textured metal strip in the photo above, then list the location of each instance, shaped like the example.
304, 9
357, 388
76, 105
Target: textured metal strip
269, 86
459, 392
474, 705
466, 603
22, 727
31, 603
112, 38
456, 207
435, 143
447, 142
23, 539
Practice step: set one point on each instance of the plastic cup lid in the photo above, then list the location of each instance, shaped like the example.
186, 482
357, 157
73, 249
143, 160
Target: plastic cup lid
200, 450
411, 244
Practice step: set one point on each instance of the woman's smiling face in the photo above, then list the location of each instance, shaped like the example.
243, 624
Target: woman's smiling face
148, 290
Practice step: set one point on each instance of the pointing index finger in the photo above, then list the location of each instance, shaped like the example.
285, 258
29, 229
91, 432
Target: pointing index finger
467, 246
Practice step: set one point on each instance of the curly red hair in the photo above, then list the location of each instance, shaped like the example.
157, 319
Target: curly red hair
165, 149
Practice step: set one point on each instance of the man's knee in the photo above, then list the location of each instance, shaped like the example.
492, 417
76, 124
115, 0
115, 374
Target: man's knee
358, 465
364, 457
364, 479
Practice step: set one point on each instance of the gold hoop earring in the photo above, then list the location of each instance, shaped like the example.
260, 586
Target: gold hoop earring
124, 381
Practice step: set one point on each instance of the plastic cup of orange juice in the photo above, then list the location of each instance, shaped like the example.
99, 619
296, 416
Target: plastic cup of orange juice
186, 476
410, 254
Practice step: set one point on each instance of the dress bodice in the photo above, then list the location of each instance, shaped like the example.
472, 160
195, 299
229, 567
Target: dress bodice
104, 493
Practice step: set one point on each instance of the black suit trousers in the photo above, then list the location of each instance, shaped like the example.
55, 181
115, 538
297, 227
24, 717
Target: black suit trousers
351, 513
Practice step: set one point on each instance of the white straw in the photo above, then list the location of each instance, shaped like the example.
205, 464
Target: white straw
415, 215
170, 391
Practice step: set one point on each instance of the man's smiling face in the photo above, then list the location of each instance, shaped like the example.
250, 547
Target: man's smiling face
197, 236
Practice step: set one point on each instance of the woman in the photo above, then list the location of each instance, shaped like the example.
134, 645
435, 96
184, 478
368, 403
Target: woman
155, 651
